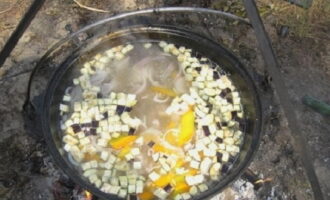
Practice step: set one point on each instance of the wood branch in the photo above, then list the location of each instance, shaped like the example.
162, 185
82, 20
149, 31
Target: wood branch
90, 8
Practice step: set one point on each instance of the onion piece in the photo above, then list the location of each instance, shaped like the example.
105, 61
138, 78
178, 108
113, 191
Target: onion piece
173, 130
68, 90
98, 77
147, 60
144, 122
72, 160
150, 152
141, 87
76, 94
152, 81
139, 82
106, 88
180, 85
159, 100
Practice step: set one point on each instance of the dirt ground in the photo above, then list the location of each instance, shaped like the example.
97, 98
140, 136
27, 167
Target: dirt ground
27, 171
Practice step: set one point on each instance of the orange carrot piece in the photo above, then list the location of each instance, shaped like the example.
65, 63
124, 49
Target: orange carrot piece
124, 151
187, 127
171, 125
180, 188
122, 142
146, 194
164, 180
192, 172
161, 148
164, 91
171, 138
89, 157
179, 162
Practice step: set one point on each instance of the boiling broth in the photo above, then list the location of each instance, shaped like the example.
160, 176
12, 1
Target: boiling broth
152, 120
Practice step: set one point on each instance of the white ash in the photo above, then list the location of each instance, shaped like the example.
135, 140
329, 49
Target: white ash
240, 190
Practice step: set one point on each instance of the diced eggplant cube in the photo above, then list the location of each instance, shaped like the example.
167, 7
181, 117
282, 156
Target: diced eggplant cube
202, 187
219, 140
67, 147
122, 193
194, 164
107, 173
125, 128
151, 144
155, 156
92, 131
102, 142
104, 155
94, 163
218, 124
133, 197
93, 178
64, 108
193, 190
222, 146
76, 128
90, 172
86, 125
77, 106
219, 156
115, 134
194, 153
216, 75
114, 189
99, 95
139, 186
178, 197
212, 128
128, 109
206, 140
160, 193
194, 180
225, 157
114, 181
95, 123
231, 159
120, 109
154, 176
222, 94
84, 141
75, 81
229, 100
215, 169
168, 188
98, 183
123, 181
135, 151
234, 114
105, 135
213, 146
105, 115
86, 166
131, 131
229, 140
131, 189
206, 130
200, 146
137, 165
68, 123
209, 152
224, 169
